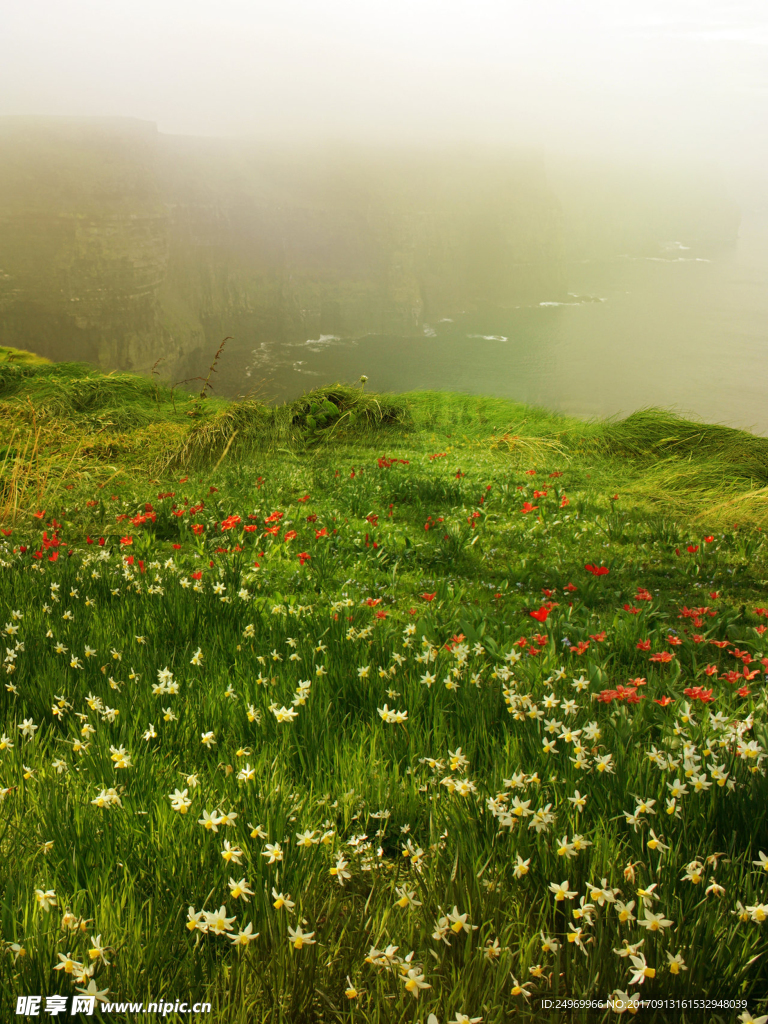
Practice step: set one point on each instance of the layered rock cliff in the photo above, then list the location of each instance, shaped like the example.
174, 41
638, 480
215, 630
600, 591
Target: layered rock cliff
122, 246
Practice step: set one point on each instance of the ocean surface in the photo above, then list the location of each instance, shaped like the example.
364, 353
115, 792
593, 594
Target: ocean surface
686, 329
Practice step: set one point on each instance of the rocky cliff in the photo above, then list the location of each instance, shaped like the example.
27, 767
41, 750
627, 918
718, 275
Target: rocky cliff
122, 246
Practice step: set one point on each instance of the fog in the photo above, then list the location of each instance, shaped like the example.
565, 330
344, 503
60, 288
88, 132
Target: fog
669, 79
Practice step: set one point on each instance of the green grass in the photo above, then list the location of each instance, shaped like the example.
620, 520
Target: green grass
410, 532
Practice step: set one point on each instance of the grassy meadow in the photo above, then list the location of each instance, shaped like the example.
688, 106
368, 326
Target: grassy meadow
378, 708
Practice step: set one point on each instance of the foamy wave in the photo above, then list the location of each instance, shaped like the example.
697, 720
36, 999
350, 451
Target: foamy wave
489, 337
665, 259
445, 320
323, 339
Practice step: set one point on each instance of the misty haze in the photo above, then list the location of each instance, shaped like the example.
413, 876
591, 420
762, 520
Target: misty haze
565, 211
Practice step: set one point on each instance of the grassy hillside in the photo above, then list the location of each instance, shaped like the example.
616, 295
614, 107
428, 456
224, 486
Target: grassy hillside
368, 707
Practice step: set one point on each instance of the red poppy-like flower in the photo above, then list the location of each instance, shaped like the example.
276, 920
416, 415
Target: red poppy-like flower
599, 637
381, 615
304, 557
39, 515
540, 615
663, 701
530, 472
699, 693
664, 656
197, 528
631, 609
528, 507
570, 586
429, 597
643, 645
743, 691
229, 522
305, 498
290, 535
197, 575
597, 570
126, 540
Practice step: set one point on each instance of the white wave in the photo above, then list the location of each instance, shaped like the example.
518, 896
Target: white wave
665, 259
429, 332
445, 320
489, 337
322, 339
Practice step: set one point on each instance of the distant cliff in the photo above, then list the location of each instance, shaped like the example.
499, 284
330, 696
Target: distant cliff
120, 245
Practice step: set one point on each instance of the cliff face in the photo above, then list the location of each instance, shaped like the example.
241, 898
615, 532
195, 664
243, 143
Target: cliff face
121, 246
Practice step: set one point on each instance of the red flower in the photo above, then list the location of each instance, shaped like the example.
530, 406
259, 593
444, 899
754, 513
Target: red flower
597, 570
714, 595
429, 597
631, 609
692, 549
229, 522
528, 507
321, 533
197, 528
197, 575
381, 615
126, 540
39, 515
540, 615
565, 501
674, 640
555, 474
530, 472
290, 535
303, 557
212, 489
570, 586
720, 643
698, 693
539, 494
643, 645
664, 656
599, 637
708, 540
373, 601
305, 498
177, 547
663, 701
743, 691
7, 533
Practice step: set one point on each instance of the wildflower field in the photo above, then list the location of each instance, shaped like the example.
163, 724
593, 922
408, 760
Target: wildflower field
375, 708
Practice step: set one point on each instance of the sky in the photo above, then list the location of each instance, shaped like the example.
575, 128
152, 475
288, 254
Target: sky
673, 78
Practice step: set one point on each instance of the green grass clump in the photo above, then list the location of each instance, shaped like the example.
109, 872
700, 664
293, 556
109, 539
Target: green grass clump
384, 682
